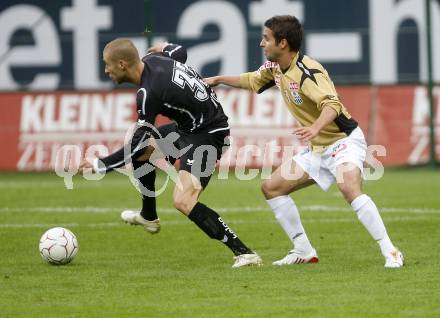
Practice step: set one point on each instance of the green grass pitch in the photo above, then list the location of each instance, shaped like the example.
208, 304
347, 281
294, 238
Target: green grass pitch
122, 271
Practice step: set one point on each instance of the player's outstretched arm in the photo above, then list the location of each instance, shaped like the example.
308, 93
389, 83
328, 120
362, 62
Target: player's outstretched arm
233, 81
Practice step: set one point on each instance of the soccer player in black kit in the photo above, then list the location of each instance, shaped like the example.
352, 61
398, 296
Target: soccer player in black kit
173, 89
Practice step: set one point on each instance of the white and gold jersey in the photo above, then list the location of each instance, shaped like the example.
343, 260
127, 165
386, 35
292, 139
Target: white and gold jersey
306, 88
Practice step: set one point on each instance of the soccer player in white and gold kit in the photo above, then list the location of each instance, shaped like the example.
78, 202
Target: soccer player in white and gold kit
337, 147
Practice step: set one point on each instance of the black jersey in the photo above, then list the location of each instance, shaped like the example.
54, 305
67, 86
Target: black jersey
173, 89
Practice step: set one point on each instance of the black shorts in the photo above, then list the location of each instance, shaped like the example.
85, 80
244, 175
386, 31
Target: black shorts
198, 152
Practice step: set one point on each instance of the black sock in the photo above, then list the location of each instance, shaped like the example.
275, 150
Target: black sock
148, 211
212, 224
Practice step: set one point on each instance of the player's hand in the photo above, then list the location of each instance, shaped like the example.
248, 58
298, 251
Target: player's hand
306, 133
157, 47
211, 81
85, 166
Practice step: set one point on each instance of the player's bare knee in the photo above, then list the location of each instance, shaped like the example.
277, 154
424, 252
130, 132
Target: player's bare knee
349, 191
180, 204
272, 190
268, 190
184, 203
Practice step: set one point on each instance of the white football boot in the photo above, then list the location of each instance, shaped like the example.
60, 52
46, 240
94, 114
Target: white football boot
135, 218
296, 256
394, 259
247, 260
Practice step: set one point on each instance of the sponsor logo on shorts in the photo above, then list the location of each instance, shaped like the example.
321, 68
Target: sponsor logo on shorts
338, 148
189, 162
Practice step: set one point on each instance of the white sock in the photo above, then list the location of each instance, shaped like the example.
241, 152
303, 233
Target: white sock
288, 217
370, 218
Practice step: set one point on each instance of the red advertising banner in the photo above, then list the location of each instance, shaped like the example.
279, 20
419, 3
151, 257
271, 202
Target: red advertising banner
38, 125
35, 126
402, 124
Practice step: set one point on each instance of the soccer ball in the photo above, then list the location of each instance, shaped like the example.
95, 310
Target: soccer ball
58, 246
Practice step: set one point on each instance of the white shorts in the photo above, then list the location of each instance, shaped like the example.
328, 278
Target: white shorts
321, 167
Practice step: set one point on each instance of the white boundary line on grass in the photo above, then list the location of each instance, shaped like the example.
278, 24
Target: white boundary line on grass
186, 222
237, 209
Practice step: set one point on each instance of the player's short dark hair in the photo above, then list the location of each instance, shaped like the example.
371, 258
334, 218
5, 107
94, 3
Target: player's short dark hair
286, 27
123, 49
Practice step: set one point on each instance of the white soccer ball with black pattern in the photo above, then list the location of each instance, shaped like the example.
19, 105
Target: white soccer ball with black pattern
58, 246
